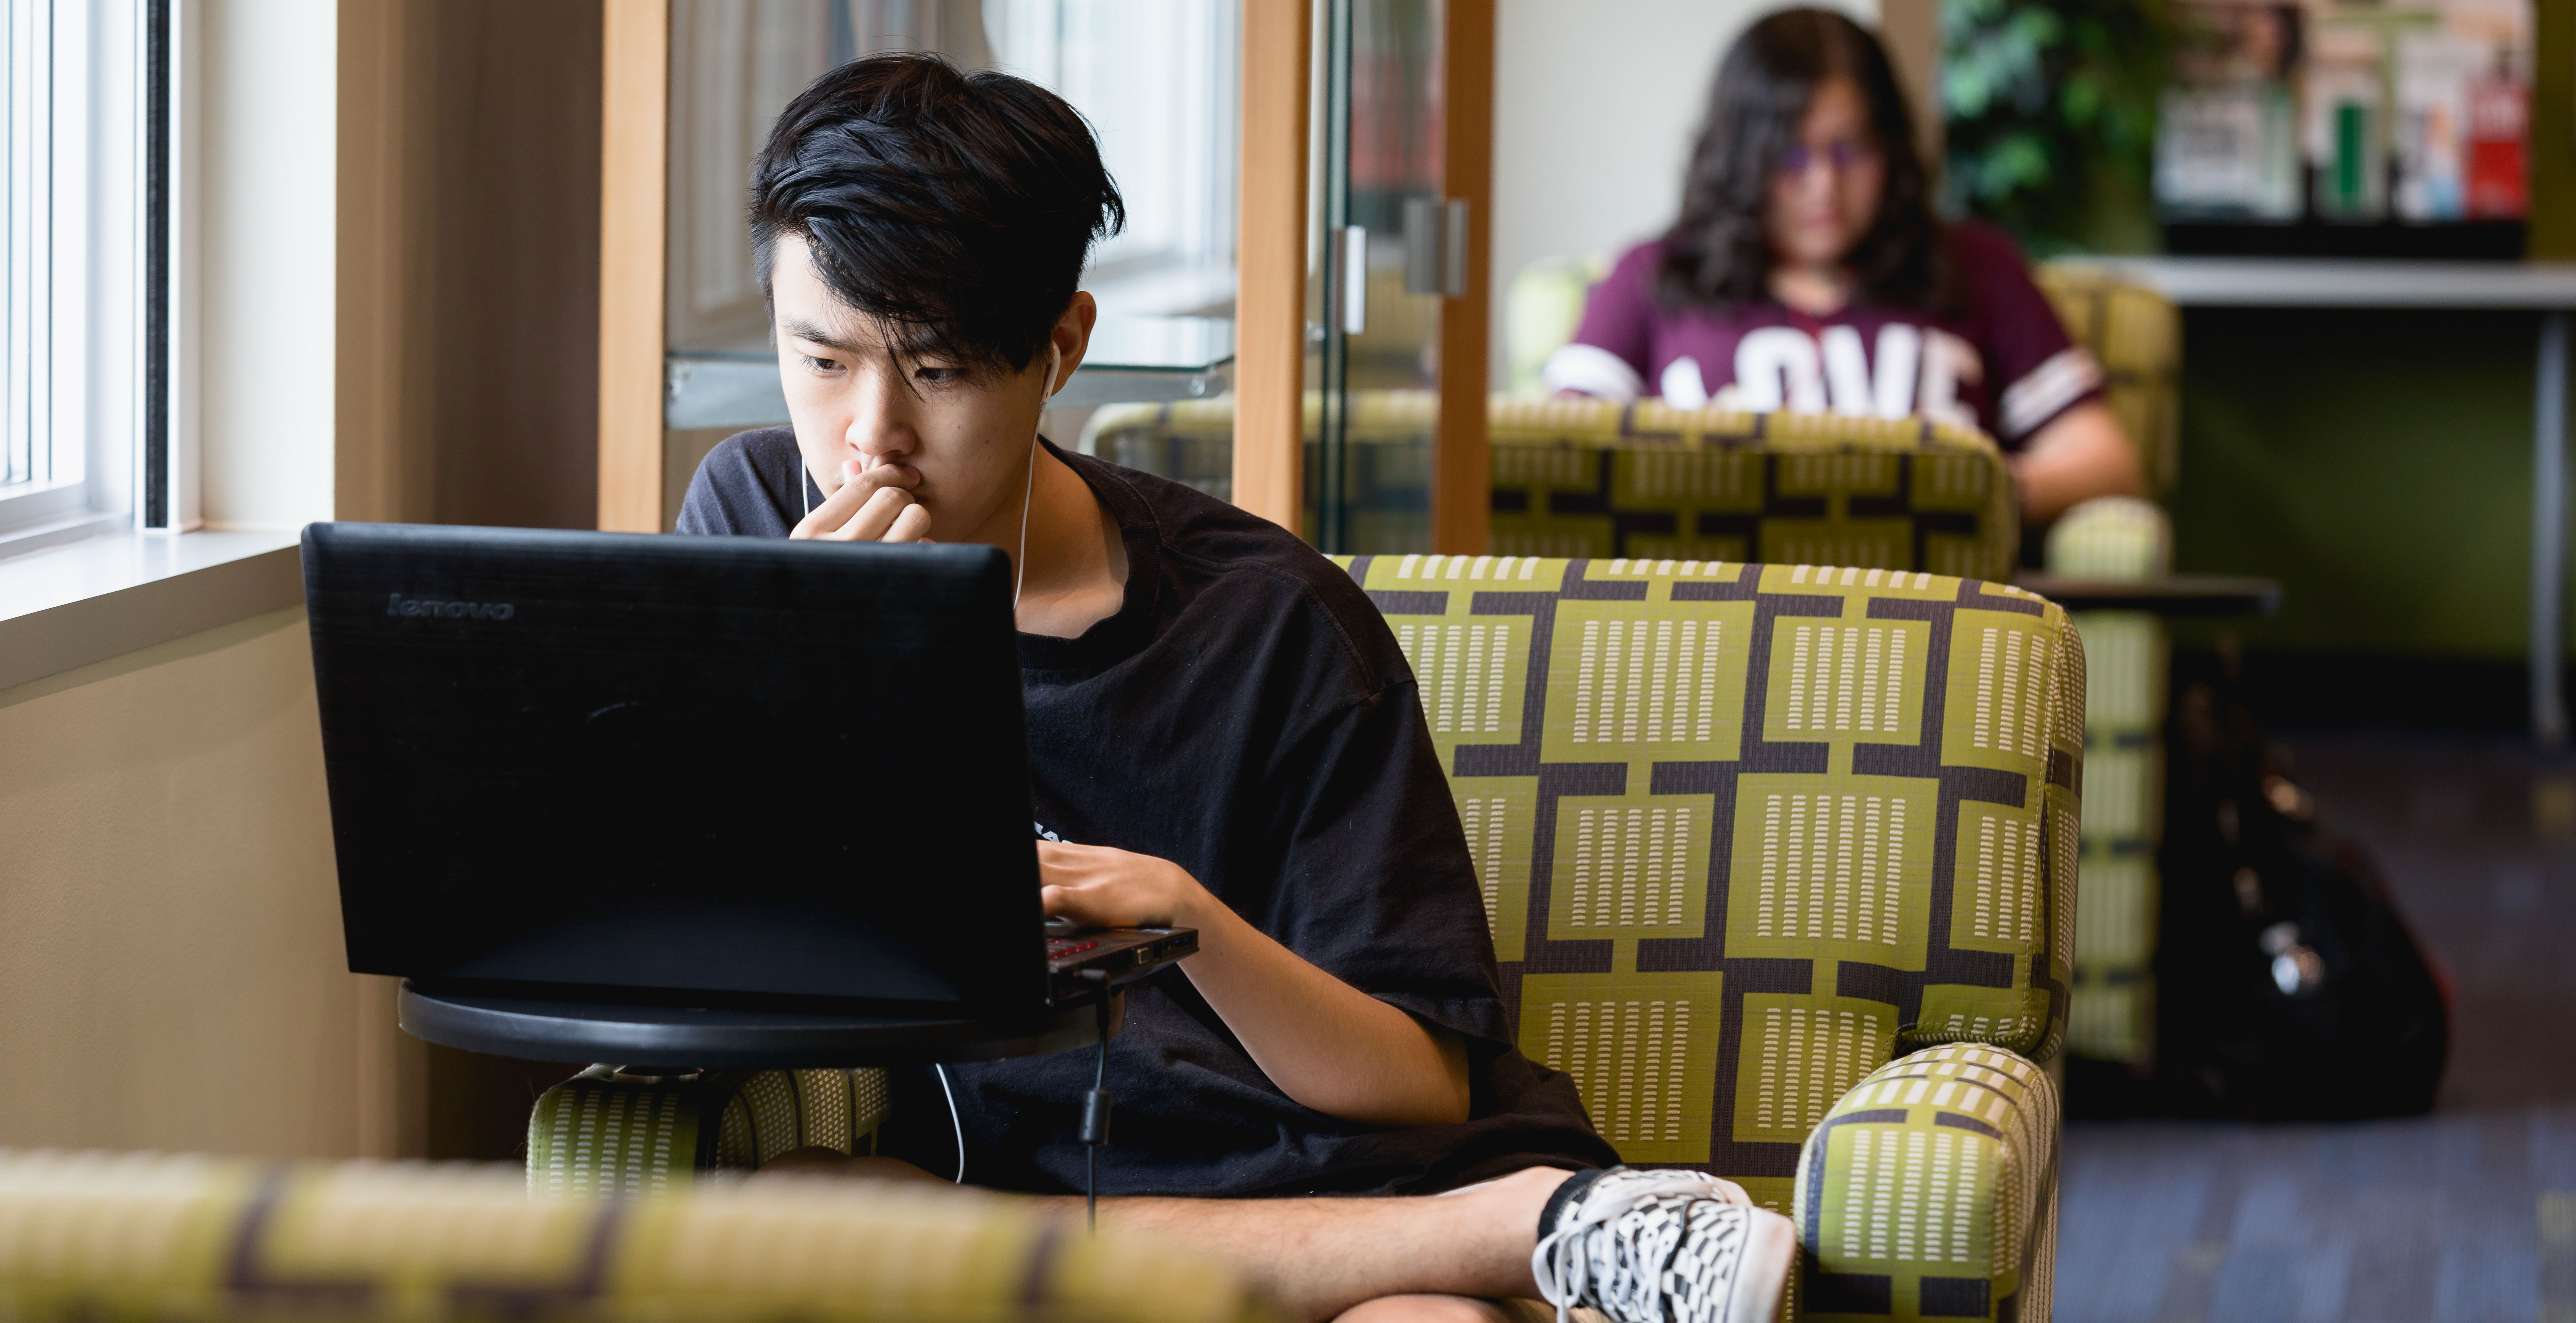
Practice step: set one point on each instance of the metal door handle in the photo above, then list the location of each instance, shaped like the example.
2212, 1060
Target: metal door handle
1453, 267
1354, 279
1435, 247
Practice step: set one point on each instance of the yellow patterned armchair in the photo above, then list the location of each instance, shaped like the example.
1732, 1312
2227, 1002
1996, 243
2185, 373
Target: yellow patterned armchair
1780, 863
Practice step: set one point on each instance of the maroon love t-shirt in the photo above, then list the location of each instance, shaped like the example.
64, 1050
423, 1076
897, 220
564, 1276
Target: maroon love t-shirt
2000, 362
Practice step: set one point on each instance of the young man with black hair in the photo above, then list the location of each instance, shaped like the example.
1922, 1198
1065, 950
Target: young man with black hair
1222, 734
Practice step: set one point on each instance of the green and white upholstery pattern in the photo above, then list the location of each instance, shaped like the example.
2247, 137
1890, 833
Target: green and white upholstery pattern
1746, 831
134, 1238
603, 1133
2113, 1017
1594, 479
1930, 1191
1589, 478
2119, 537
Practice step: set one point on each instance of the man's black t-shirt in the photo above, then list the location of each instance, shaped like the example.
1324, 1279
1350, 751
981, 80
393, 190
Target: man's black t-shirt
1247, 715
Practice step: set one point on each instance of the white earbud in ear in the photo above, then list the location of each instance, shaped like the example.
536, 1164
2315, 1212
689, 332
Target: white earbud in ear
1055, 364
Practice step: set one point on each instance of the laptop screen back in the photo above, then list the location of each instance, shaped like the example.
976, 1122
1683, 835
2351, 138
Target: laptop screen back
678, 765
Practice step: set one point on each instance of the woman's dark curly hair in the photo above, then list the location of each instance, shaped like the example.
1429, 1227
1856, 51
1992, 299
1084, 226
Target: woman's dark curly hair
956, 210
1719, 253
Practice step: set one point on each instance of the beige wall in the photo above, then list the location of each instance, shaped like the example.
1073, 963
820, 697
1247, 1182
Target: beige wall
171, 974
1594, 108
264, 252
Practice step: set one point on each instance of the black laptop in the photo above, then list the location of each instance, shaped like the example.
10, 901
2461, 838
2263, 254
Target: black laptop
701, 771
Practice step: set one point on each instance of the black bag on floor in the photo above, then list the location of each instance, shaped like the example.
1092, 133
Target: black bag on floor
2288, 986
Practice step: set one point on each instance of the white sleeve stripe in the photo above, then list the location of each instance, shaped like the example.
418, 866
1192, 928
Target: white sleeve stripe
1592, 370
2046, 390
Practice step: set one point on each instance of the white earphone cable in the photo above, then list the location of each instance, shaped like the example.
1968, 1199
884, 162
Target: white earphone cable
953, 1122
1020, 567
1020, 570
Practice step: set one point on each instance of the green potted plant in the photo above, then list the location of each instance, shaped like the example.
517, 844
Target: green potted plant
2050, 111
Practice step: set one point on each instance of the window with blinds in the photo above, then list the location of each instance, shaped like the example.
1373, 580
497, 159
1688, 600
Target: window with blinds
72, 190
30, 459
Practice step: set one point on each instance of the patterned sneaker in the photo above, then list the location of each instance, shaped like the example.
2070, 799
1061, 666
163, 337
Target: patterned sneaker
1662, 1247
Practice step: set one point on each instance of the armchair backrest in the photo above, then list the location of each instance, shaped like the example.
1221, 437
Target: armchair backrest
1745, 831
1584, 478
1587, 478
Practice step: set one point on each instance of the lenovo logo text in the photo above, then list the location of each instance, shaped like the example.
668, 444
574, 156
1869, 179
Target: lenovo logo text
398, 605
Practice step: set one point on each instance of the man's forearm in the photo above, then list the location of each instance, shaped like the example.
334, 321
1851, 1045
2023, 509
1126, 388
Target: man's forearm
1325, 1043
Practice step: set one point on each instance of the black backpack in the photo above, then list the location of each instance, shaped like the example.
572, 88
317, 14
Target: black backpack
2288, 986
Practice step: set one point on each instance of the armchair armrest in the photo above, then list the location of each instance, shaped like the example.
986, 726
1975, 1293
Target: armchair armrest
1930, 1191
151, 1236
2112, 537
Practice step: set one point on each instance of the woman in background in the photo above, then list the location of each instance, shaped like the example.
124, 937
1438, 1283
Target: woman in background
1807, 274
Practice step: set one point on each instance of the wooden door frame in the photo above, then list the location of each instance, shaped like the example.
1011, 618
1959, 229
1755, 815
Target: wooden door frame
1462, 481
1271, 248
634, 210
1270, 261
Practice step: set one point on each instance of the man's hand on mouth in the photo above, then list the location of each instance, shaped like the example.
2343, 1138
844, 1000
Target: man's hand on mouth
873, 504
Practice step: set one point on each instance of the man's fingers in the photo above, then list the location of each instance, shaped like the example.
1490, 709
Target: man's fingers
1072, 903
887, 473
875, 516
836, 509
910, 525
1066, 854
859, 485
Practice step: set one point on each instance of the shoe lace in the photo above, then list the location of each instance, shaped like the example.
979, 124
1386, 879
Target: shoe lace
1570, 1261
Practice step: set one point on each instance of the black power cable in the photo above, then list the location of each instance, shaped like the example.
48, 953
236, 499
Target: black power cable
1095, 1104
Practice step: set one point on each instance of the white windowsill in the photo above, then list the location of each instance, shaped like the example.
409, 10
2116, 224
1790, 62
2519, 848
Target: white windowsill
100, 597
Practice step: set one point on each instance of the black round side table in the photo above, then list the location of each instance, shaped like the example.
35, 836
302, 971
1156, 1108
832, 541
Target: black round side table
2166, 595
677, 1038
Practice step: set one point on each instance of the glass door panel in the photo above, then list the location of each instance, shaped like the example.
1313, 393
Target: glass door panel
1380, 226
1157, 79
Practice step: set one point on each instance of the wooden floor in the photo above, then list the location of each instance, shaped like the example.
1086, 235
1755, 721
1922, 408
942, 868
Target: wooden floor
2466, 1215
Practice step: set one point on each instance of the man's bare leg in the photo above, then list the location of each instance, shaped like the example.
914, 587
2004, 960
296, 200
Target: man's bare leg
1321, 1258
1429, 1309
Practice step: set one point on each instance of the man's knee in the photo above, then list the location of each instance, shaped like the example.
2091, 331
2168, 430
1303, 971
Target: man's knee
1423, 1309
